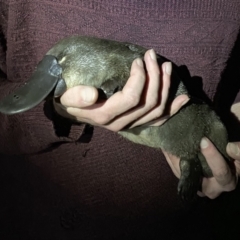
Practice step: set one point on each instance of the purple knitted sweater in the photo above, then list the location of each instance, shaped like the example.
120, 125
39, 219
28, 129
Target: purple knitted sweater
102, 186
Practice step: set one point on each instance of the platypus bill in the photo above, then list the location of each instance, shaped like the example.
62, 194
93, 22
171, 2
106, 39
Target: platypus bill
106, 64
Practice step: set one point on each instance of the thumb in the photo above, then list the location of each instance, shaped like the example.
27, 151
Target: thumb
233, 149
79, 96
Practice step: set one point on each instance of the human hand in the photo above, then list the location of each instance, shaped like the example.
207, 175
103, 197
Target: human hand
223, 180
142, 100
233, 148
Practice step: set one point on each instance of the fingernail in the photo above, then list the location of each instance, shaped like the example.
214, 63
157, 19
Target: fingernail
234, 149
184, 102
139, 62
153, 55
204, 143
88, 95
168, 68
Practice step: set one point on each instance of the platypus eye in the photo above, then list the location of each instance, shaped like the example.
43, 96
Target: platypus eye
61, 60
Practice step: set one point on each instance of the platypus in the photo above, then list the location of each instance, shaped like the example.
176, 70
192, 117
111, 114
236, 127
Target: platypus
105, 64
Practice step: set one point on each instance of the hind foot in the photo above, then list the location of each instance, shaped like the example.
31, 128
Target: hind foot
187, 188
190, 179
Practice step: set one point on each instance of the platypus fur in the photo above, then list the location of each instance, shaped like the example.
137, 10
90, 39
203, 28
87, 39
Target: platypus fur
105, 64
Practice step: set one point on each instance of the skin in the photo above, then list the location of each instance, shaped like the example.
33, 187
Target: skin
233, 149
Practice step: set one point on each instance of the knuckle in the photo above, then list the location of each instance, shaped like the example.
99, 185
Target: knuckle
152, 102
159, 112
222, 173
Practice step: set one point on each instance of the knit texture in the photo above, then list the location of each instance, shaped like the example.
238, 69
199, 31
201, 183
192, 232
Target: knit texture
102, 186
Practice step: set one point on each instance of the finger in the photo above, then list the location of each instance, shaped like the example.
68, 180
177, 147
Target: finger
237, 165
61, 110
79, 96
120, 102
210, 188
178, 102
152, 88
166, 80
235, 109
150, 95
154, 117
233, 149
156, 94
216, 162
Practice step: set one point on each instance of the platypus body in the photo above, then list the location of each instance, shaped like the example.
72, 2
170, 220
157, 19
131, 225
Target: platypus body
106, 64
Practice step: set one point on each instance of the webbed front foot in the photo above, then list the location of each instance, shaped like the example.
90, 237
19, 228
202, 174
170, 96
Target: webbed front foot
190, 179
110, 87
